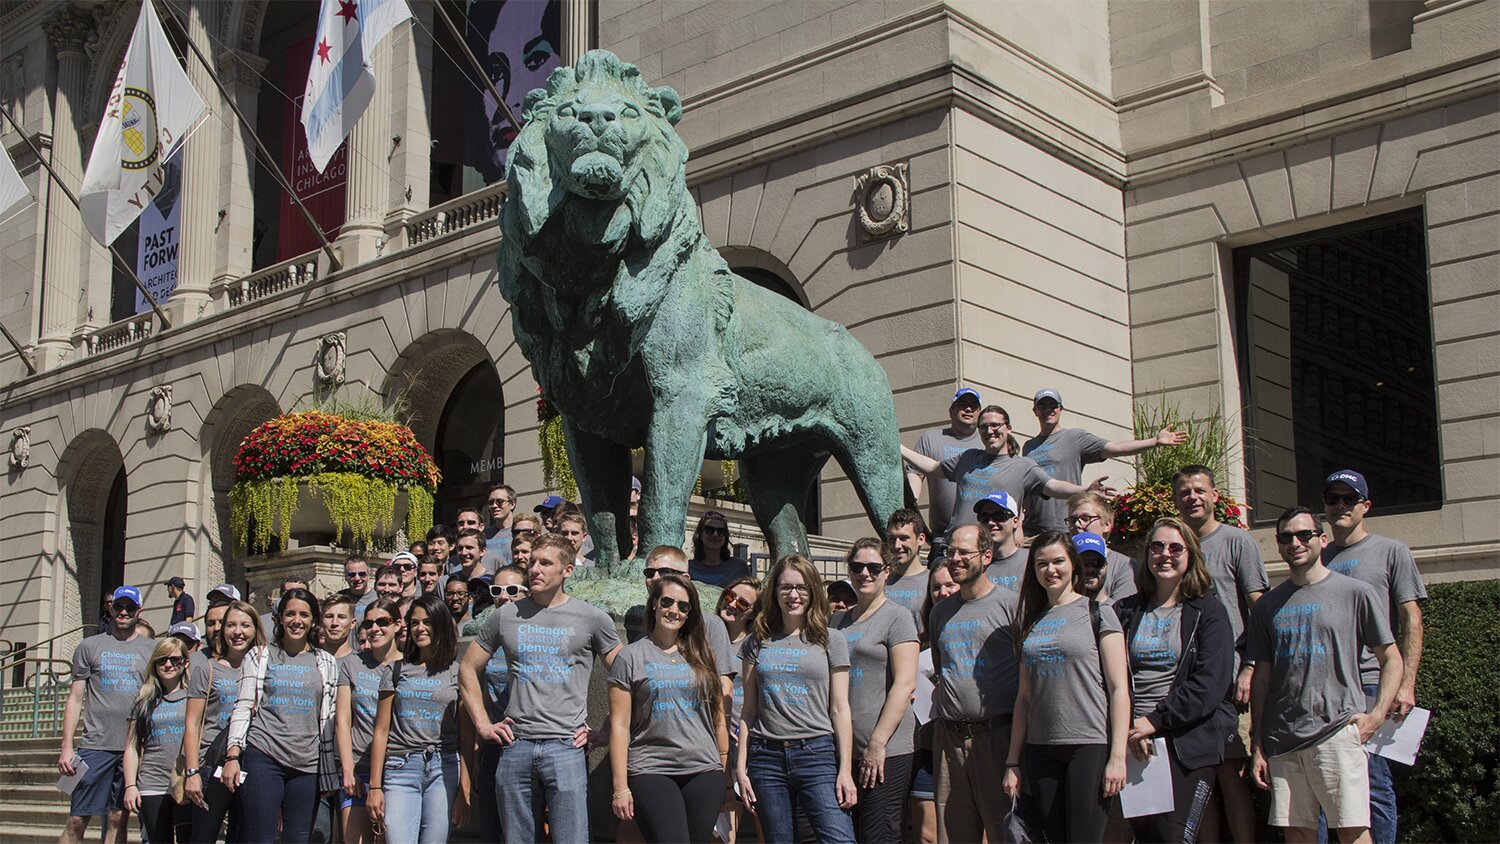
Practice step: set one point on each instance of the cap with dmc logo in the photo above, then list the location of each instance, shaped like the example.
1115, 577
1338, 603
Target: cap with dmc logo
1355, 480
1090, 543
1000, 498
1048, 393
966, 392
129, 593
186, 630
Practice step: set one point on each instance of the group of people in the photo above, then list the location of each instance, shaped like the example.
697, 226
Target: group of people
754, 708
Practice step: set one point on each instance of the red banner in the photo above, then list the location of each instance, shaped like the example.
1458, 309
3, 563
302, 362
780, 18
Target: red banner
322, 193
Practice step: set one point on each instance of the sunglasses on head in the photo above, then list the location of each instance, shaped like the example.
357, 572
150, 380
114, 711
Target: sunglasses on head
872, 569
1348, 499
1285, 537
376, 622
666, 603
508, 590
1159, 547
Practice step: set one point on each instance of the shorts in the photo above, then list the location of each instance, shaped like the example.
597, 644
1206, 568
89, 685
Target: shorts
923, 785
1331, 775
101, 789
1237, 744
351, 801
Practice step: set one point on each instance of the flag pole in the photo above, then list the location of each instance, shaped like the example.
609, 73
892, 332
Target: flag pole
20, 352
474, 62
260, 146
57, 180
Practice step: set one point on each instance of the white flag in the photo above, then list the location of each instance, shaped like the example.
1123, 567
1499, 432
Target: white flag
14, 197
340, 81
150, 112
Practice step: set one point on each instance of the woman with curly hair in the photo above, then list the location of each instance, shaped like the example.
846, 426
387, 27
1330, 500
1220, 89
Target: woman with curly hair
796, 710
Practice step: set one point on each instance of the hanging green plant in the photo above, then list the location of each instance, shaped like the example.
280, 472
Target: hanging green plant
361, 472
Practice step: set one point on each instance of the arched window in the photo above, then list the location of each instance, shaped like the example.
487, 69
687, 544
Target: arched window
111, 544
470, 444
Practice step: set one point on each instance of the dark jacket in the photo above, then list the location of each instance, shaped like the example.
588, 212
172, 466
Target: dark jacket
1197, 715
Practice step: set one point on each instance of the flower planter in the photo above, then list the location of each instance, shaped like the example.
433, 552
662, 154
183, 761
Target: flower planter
313, 524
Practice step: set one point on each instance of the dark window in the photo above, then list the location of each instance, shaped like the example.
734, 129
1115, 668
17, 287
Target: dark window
1336, 362
470, 441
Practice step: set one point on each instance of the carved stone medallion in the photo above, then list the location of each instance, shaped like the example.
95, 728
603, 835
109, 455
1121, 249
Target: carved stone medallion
882, 195
159, 410
20, 448
329, 363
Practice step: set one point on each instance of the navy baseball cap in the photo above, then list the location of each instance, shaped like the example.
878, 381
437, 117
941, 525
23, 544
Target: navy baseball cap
1000, 498
1048, 393
1090, 543
966, 392
174, 581
1355, 480
129, 593
548, 503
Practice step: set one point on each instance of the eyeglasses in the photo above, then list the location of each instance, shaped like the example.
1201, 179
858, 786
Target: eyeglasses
666, 603
457, 595
376, 622
356, 575
715, 531
736, 603
961, 553
788, 589
993, 426
999, 514
172, 661
1175, 549
872, 569
1348, 499
1285, 537
1080, 521
508, 590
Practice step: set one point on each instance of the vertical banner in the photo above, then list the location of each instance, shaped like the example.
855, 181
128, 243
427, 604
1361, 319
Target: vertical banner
322, 193
159, 235
519, 42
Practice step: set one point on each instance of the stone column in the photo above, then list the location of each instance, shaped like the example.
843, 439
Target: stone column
240, 72
202, 157
577, 30
368, 192
67, 30
410, 164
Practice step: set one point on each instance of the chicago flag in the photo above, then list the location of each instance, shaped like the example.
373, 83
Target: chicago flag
341, 82
151, 110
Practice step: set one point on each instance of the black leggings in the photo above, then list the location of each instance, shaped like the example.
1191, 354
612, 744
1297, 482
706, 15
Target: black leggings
1065, 783
164, 820
207, 823
878, 814
677, 809
1191, 790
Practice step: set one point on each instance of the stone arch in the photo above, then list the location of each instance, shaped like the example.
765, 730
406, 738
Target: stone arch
230, 420
765, 264
242, 31
420, 380
87, 471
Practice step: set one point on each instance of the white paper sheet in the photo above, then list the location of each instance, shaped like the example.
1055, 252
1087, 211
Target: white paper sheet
1148, 784
724, 827
1399, 741
922, 697
65, 783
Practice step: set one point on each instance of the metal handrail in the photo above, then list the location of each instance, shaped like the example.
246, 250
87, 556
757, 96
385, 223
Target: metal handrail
50, 677
70, 631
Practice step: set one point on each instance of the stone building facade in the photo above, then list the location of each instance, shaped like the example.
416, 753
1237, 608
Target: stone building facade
1116, 199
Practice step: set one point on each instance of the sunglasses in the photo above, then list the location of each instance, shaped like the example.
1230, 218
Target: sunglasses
376, 622
872, 569
715, 531
1175, 549
124, 607
667, 603
656, 572
1285, 537
736, 603
996, 515
357, 575
173, 661
1348, 499
508, 590
402, 566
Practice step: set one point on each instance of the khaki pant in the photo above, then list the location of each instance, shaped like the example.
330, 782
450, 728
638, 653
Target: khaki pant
970, 762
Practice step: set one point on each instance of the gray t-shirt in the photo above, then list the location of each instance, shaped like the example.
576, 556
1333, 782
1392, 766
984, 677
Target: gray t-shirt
1154, 651
870, 641
1061, 455
909, 590
1387, 565
1119, 575
362, 675
163, 743
497, 543
979, 473
1311, 637
974, 656
1235, 565
737, 691
793, 676
551, 652
113, 671
218, 700
720, 575
425, 711
940, 444
1061, 658
496, 685
1007, 572
671, 725
285, 727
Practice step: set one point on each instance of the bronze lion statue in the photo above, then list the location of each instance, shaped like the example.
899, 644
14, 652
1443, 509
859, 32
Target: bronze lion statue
641, 336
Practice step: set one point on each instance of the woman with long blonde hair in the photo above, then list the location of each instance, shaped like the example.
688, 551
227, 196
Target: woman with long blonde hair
796, 711
153, 738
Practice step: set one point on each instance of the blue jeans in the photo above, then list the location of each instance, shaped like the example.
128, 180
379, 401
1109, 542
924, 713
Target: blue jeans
545, 780
419, 791
1383, 816
273, 792
798, 774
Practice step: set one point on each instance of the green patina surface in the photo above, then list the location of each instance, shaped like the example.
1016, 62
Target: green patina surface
641, 336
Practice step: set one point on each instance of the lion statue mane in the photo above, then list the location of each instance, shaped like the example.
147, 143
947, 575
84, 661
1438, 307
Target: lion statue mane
641, 336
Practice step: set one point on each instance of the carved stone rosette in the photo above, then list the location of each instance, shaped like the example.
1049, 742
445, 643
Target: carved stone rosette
20, 448
881, 194
159, 410
328, 365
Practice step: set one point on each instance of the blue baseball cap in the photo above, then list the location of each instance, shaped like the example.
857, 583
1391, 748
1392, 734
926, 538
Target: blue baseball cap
1000, 498
129, 593
966, 392
1355, 480
548, 503
1090, 543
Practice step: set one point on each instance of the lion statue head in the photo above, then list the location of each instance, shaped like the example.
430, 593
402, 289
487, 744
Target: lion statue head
599, 139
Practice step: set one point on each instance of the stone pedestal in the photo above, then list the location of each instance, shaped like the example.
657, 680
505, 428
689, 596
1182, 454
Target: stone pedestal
322, 565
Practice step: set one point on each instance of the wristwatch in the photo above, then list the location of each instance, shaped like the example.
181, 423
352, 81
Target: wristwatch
190, 772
